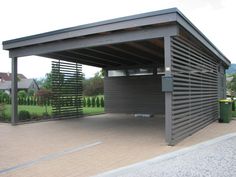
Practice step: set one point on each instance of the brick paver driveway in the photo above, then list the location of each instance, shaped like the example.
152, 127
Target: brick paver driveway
88, 146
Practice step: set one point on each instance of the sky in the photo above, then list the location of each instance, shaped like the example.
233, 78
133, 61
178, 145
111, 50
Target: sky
215, 18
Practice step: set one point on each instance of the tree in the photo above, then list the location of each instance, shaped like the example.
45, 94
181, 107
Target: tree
93, 86
47, 82
231, 85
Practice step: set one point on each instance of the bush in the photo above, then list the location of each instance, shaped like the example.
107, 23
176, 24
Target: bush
4, 97
24, 115
97, 102
102, 102
93, 102
31, 92
84, 102
28, 101
45, 114
21, 94
2, 111
88, 102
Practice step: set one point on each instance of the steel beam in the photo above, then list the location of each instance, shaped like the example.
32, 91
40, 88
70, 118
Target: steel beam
14, 102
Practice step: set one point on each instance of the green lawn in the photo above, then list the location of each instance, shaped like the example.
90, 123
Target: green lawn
39, 110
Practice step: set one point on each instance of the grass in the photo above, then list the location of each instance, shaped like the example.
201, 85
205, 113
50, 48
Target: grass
39, 110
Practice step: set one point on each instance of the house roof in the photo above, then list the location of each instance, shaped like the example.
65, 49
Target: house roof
7, 76
33, 45
22, 84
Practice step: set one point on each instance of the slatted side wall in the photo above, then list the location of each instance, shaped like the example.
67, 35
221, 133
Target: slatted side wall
66, 89
195, 94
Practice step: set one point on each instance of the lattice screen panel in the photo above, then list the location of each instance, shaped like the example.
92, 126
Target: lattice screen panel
66, 89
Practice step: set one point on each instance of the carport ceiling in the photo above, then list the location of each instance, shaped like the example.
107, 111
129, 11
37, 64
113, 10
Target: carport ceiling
141, 53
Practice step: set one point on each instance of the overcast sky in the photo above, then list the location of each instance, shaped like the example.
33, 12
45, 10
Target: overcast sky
19, 18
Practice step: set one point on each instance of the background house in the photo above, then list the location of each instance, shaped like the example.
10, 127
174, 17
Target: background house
23, 83
7, 76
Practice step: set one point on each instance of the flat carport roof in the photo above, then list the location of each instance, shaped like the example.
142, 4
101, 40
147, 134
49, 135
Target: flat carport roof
129, 29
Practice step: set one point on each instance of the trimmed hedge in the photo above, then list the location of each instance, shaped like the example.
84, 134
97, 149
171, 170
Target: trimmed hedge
33, 101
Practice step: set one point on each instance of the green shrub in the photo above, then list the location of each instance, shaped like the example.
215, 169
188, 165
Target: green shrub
102, 102
93, 102
5, 97
2, 111
45, 114
31, 93
97, 102
24, 115
88, 102
28, 101
34, 116
21, 94
84, 102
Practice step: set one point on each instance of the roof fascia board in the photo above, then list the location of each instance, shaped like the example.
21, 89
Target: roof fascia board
110, 25
93, 41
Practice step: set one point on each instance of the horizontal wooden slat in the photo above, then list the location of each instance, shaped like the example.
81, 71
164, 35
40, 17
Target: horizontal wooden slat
67, 89
195, 88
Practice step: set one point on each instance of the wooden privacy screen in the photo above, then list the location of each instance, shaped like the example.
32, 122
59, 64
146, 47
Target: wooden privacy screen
66, 89
195, 84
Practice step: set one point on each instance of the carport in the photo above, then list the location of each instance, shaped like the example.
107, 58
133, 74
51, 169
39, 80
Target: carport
155, 63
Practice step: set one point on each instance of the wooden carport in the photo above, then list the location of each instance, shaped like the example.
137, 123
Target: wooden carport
194, 68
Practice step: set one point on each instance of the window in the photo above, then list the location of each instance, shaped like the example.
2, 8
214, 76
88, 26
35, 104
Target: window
116, 73
140, 71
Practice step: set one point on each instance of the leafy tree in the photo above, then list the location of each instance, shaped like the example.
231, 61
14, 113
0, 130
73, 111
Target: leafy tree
93, 86
231, 85
47, 82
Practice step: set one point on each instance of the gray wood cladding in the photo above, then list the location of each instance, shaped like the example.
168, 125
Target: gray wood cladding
195, 93
134, 94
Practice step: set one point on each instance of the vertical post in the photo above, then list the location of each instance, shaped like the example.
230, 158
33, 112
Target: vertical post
168, 95
14, 102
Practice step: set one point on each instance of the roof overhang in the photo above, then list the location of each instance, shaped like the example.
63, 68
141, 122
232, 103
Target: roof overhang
147, 26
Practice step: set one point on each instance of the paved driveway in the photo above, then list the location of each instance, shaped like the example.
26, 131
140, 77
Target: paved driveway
88, 146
